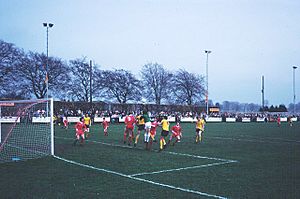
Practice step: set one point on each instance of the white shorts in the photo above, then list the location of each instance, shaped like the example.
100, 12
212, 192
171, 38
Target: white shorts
148, 125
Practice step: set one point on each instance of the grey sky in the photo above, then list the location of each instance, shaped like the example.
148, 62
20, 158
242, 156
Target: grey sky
248, 39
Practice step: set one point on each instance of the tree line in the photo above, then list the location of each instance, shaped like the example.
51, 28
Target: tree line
23, 76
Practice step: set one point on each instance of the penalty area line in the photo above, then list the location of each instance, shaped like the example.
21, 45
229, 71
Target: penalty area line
183, 168
201, 157
140, 179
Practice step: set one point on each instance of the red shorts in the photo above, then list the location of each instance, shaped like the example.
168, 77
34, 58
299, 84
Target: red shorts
175, 134
153, 132
79, 132
129, 128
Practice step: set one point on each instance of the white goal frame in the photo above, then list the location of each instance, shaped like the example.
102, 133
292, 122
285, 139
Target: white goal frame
14, 120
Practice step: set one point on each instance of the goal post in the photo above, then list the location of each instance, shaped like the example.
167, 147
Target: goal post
26, 129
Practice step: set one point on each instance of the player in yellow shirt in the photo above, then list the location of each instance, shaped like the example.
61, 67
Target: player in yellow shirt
141, 127
164, 133
87, 122
200, 125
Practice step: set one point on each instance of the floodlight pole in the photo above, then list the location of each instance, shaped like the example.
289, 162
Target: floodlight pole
91, 76
47, 26
263, 93
294, 68
206, 96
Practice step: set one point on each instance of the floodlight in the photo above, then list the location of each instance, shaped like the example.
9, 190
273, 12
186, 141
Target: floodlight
207, 52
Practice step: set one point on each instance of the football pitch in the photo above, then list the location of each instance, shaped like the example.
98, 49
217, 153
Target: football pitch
235, 160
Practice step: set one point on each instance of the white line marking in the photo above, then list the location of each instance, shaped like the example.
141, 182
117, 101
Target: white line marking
183, 168
140, 179
169, 152
223, 161
201, 157
254, 140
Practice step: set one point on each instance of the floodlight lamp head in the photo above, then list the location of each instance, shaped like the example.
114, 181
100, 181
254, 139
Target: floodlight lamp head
45, 24
294, 67
207, 51
51, 25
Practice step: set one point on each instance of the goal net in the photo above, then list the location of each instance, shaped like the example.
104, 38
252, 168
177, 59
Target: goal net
26, 129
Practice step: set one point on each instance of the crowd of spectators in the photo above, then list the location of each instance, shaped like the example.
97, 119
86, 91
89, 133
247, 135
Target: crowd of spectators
116, 112
115, 115
254, 116
80, 109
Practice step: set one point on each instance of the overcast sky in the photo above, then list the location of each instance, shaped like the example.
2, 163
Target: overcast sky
248, 39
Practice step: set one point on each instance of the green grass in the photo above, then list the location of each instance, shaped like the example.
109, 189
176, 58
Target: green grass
268, 159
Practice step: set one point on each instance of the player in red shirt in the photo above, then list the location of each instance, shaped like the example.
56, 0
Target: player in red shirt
129, 126
154, 125
105, 126
278, 121
80, 129
176, 133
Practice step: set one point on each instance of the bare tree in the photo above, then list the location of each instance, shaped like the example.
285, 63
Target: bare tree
187, 88
156, 81
10, 82
120, 85
32, 68
7, 52
80, 74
